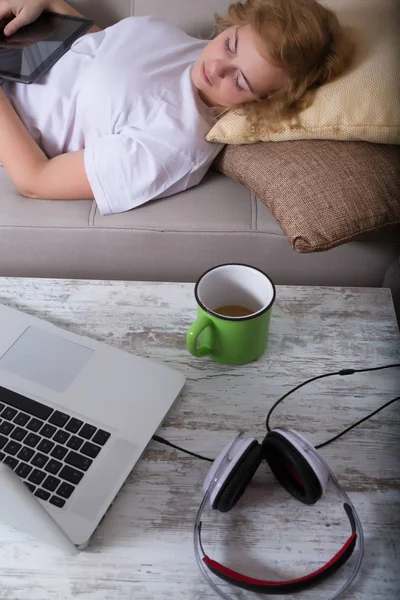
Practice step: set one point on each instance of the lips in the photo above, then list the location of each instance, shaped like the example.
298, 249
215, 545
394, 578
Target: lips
204, 74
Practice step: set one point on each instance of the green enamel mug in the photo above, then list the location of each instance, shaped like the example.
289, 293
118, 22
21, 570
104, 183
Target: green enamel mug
234, 303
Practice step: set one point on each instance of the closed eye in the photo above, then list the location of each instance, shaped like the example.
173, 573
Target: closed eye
237, 85
227, 45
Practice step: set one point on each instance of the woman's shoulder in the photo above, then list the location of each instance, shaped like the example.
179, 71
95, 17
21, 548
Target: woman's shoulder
148, 23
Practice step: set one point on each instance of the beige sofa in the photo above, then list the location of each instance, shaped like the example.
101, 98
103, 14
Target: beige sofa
179, 237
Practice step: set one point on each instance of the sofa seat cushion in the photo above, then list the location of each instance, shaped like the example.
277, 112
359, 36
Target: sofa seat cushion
174, 239
207, 207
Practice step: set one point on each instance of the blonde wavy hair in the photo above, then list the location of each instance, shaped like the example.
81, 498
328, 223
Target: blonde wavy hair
300, 36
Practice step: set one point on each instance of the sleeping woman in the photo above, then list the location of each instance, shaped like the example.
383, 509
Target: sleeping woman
122, 117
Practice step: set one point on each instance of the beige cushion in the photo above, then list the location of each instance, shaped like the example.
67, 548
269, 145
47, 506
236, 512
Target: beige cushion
363, 104
322, 193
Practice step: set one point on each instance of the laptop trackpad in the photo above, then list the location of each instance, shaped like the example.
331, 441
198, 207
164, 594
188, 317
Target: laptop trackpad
46, 358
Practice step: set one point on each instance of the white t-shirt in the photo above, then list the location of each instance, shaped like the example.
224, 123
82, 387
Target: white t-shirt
125, 95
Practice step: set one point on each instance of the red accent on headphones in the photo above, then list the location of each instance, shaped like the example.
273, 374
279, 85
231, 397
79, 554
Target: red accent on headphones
293, 473
229, 574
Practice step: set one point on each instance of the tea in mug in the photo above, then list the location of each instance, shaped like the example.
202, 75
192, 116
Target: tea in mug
233, 310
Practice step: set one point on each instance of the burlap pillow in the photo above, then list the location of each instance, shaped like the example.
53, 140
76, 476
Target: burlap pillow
364, 104
322, 193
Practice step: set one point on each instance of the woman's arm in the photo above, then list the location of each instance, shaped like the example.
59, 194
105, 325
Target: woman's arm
35, 175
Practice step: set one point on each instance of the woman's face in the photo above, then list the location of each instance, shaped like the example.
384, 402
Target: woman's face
231, 71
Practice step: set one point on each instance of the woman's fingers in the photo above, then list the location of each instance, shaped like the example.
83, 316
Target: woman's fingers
16, 23
22, 17
5, 11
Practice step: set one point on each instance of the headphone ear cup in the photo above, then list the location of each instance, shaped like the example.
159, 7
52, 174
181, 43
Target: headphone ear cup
291, 469
239, 478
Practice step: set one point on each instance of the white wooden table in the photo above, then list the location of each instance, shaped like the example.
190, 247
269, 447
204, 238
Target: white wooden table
143, 548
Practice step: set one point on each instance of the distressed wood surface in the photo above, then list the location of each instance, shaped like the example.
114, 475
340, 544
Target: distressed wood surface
143, 548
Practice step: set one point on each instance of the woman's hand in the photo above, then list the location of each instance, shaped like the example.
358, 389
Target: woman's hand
21, 12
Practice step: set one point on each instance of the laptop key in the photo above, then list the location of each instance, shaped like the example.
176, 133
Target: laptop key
61, 437
71, 475
59, 452
8, 413
65, 490
101, 437
89, 449
31, 440
78, 461
74, 425
1, 406
3, 441
34, 425
87, 431
21, 419
58, 418
36, 476
6, 427
45, 446
31, 487
10, 461
18, 434
36, 409
53, 466
57, 501
23, 470
2, 455
74, 443
42, 494
39, 460
26, 453
51, 483
12, 448
47, 430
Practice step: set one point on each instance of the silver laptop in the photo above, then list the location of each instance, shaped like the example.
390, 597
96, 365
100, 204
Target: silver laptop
75, 417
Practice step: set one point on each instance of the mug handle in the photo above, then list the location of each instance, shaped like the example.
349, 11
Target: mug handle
193, 333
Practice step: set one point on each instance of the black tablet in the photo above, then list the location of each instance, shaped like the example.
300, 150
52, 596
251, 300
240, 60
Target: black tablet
33, 49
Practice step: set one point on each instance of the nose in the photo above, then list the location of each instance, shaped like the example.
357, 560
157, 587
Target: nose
216, 69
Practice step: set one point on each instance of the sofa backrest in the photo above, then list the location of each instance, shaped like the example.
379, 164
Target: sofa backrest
194, 16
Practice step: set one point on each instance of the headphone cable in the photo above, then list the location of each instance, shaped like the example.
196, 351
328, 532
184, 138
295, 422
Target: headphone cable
342, 372
161, 440
339, 435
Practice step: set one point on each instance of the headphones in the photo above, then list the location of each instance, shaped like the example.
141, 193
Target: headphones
301, 470
303, 473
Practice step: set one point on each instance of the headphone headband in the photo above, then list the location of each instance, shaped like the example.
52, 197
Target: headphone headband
294, 585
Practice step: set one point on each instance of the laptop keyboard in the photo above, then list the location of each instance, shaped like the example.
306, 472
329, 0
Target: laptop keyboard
48, 449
